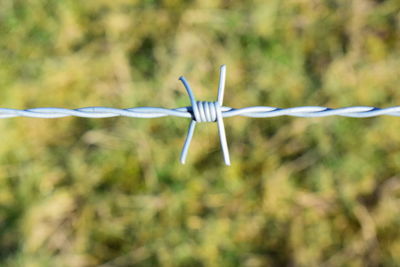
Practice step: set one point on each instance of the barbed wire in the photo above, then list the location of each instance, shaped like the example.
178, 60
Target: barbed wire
202, 111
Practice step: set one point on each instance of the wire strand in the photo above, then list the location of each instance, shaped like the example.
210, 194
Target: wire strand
202, 111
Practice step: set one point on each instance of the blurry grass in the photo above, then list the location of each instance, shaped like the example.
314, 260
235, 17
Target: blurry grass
306, 192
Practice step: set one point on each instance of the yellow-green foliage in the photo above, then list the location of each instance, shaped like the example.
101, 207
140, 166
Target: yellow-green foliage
300, 192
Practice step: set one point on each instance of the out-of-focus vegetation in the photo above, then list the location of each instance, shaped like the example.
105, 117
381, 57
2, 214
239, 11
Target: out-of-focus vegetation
300, 192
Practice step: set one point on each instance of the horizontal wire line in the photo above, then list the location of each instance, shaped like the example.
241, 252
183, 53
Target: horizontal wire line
186, 112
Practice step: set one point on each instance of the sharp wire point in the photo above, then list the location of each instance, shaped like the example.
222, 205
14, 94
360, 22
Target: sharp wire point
202, 111
221, 86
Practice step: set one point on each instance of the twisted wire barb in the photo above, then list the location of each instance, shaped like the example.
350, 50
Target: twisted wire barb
202, 111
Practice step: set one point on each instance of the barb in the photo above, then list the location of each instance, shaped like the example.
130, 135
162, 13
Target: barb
201, 111
207, 112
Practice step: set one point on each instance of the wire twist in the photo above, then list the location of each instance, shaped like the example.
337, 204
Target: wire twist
202, 111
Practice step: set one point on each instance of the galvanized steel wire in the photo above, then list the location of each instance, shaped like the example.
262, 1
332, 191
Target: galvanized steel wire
202, 111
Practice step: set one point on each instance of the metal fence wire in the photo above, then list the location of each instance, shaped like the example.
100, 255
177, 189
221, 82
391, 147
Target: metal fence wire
202, 111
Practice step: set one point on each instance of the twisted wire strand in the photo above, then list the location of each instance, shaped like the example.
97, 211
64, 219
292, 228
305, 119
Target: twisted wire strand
186, 112
203, 111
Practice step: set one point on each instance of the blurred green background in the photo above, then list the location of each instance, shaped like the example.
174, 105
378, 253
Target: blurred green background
111, 192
